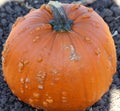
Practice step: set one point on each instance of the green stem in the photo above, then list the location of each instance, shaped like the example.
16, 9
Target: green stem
61, 21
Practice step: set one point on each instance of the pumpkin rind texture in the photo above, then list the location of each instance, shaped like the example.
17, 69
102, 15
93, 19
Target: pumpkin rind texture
59, 71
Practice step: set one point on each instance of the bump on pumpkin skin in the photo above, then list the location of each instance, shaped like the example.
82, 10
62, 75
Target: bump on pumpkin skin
27, 80
47, 7
98, 52
36, 38
22, 64
39, 59
33, 9
85, 16
22, 80
76, 6
5, 54
36, 95
90, 10
18, 21
80, 91
40, 28
88, 39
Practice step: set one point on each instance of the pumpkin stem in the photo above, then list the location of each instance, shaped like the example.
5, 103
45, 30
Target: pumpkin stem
61, 21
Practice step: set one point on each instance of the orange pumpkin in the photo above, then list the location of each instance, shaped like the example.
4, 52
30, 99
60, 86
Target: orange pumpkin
60, 57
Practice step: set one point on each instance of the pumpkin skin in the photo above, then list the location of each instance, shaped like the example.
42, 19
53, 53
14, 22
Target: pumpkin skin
59, 70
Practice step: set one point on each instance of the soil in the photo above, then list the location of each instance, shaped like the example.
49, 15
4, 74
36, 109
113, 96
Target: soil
9, 12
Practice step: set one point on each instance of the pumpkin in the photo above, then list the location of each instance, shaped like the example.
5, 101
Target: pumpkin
60, 57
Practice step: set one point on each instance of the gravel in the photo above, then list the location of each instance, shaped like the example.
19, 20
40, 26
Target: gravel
108, 10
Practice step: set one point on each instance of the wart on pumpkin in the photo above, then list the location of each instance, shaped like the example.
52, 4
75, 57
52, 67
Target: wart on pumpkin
40, 87
98, 52
40, 60
85, 16
22, 90
21, 65
73, 55
54, 71
64, 99
36, 95
27, 80
87, 39
22, 80
18, 21
49, 100
36, 39
90, 10
26, 86
41, 78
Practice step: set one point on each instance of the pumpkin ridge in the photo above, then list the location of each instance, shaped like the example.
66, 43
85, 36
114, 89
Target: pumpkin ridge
82, 43
38, 13
52, 45
53, 41
107, 51
91, 63
10, 59
47, 11
100, 45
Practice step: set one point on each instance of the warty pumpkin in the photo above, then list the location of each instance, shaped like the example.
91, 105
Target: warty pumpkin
60, 57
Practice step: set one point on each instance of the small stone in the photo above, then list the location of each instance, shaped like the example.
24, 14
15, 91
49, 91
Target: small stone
108, 3
18, 9
1, 32
36, 1
109, 19
107, 13
9, 9
119, 29
37, 6
4, 21
3, 15
116, 10
10, 26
